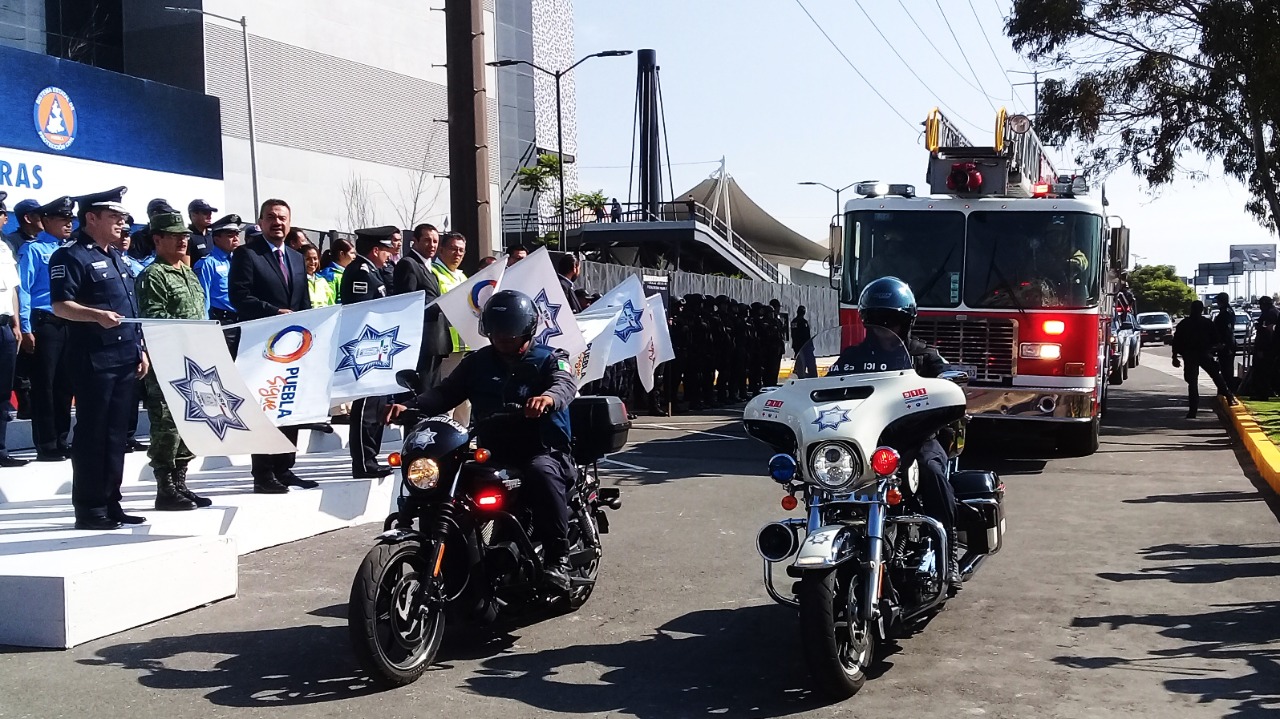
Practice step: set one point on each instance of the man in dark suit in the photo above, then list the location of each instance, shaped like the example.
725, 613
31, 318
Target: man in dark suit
567, 267
268, 279
413, 273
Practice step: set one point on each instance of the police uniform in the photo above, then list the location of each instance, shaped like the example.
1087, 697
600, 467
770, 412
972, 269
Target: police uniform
51, 383
201, 242
213, 271
8, 340
363, 281
104, 363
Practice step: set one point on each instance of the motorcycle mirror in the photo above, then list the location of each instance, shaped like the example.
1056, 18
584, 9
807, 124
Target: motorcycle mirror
409, 379
956, 376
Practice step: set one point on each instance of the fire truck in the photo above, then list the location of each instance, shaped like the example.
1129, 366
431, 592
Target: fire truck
1014, 267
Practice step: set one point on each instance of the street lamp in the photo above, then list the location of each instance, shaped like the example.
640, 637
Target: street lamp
839, 208
560, 116
248, 90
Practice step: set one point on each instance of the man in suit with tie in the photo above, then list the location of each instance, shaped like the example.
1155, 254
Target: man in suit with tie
268, 278
413, 273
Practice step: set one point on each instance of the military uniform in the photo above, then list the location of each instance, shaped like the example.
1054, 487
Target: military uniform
104, 364
169, 292
362, 281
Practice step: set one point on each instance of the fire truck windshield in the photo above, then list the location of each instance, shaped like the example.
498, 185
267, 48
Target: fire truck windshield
923, 249
1033, 260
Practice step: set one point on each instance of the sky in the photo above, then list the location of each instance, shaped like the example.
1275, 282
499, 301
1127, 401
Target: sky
755, 82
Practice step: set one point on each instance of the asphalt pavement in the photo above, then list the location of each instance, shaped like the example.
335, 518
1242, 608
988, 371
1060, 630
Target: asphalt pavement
1138, 582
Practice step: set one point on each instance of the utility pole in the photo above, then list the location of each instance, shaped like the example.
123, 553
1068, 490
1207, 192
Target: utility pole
1035, 80
468, 127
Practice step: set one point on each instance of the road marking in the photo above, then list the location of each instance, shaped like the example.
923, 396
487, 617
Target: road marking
696, 431
633, 467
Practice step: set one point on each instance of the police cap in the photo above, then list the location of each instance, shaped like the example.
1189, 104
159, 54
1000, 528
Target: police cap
200, 206
227, 223
370, 237
62, 207
112, 199
157, 206
26, 207
3, 195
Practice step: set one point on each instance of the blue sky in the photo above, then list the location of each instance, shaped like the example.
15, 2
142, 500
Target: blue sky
756, 82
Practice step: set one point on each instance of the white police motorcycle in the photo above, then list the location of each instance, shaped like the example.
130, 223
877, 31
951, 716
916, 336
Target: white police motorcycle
869, 565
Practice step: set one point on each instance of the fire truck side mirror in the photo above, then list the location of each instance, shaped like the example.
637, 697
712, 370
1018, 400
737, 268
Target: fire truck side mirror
835, 245
1119, 248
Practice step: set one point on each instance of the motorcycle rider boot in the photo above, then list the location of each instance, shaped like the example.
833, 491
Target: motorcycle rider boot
167, 497
556, 574
180, 484
954, 576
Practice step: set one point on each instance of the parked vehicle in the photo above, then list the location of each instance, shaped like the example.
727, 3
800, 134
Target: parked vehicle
1243, 329
869, 565
454, 497
1156, 327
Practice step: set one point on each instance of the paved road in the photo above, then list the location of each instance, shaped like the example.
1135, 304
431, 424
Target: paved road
1139, 582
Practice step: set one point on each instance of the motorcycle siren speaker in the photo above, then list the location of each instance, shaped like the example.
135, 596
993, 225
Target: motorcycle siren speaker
776, 542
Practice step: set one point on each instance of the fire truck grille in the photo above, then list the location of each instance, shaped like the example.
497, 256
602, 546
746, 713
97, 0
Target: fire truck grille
986, 345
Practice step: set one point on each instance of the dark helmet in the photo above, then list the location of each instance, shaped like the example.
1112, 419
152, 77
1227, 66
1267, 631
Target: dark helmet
722, 300
1222, 297
888, 302
509, 314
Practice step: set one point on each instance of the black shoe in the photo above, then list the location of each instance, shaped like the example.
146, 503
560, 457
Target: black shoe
382, 471
268, 485
556, 575
289, 479
65, 452
1231, 402
1191, 414
180, 484
7, 461
118, 515
98, 524
134, 445
50, 457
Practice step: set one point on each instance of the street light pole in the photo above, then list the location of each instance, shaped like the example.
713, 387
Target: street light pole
248, 90
559, 75
839, 207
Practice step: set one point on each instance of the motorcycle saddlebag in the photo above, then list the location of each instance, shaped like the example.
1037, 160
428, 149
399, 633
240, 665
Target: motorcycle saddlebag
981, 515
976, 484
600, 426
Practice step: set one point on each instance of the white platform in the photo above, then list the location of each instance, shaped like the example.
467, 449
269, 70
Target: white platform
60, 587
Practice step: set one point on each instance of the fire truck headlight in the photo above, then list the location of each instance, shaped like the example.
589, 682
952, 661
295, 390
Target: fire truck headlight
1039, 350
1054, 327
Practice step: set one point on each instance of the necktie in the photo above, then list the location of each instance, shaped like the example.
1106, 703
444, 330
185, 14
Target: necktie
284, 269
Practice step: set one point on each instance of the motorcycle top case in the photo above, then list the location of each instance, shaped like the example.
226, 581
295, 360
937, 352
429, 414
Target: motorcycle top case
600, 427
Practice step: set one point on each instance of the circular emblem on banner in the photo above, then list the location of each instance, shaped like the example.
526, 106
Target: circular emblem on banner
55, 117
480, 294
289, 344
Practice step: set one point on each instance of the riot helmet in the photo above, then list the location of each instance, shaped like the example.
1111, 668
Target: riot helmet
888, 302
509, 314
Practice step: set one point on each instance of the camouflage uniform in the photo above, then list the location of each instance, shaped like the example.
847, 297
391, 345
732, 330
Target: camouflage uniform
166, 292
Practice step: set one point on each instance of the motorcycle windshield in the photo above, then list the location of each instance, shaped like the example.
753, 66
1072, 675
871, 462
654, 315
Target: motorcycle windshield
862, 350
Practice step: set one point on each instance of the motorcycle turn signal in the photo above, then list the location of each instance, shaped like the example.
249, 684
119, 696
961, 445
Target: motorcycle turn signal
790, 502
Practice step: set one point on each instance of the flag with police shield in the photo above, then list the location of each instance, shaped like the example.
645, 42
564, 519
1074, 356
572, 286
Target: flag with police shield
656, 341
375, 340
537, 278
634, 319
463, 304
287, 360
216, 413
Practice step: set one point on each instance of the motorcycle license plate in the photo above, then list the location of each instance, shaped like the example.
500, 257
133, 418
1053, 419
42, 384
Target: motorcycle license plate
971, 370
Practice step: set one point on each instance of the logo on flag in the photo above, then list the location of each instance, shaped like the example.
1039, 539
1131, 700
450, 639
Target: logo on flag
629, 321
548, 319
480, 294
207, 400
370, 351
289, 344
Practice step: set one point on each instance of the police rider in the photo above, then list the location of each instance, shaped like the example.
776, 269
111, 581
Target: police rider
512, 369
888, 302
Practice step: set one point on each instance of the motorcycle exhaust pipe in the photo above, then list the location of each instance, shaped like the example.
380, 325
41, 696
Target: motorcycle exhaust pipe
776, 542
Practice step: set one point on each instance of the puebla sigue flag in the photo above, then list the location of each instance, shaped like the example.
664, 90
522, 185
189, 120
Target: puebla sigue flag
287, 363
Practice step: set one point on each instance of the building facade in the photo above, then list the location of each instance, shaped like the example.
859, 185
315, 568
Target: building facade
349, 101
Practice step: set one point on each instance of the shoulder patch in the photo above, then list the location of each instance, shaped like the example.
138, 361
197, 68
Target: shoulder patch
360, 287
57, 272
562, 365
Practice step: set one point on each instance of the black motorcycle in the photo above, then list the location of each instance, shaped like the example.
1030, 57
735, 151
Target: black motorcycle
460, 543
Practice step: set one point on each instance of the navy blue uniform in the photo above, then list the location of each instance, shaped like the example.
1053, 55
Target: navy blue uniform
490, 381
104, 369
362, 281
936, 494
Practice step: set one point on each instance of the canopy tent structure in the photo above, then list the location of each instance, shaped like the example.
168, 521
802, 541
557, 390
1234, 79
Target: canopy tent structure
721, 194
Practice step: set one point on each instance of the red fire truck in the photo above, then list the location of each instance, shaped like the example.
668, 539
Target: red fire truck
1014, 269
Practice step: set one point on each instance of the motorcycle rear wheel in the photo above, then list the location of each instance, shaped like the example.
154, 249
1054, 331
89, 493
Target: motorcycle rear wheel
839, 647
395, 636
584, 523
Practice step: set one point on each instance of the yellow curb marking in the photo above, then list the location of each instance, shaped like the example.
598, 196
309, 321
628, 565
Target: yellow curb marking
1265, 453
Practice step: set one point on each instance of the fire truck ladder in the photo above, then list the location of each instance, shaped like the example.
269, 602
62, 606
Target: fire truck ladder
1010, 167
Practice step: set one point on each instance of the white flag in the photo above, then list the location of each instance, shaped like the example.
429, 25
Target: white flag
627, 299
376, 339
657, 342
214, 410
597, 329
534, 276
287, 363
463, 304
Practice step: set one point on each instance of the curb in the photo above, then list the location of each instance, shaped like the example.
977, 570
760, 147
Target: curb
1265, 453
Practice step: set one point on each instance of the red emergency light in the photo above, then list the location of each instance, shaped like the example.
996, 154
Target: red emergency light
1040, 189
964, 177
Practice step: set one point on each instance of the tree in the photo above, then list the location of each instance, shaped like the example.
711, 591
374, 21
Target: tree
1170, 296
359, 202
593, 201
1158, 79
411, 201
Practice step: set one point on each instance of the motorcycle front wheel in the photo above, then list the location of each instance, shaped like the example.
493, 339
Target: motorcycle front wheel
394, 633
838, 646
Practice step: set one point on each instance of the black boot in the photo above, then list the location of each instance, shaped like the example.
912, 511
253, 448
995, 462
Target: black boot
268, 485
180, 484
556, 573
167, 497
954, 576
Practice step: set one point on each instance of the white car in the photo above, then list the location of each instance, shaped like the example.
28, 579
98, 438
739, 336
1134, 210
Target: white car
1156, 327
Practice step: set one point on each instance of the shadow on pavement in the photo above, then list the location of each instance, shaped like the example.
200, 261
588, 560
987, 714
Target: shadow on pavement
731, 662
1223, 642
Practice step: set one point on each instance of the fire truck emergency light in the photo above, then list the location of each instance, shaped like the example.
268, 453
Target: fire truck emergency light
964, 177
874, 188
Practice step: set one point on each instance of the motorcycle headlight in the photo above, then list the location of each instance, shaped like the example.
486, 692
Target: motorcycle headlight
422, 474
834, 466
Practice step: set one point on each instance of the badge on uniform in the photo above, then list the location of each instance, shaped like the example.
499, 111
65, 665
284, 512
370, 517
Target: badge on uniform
360, 287
57, 272
99, 265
